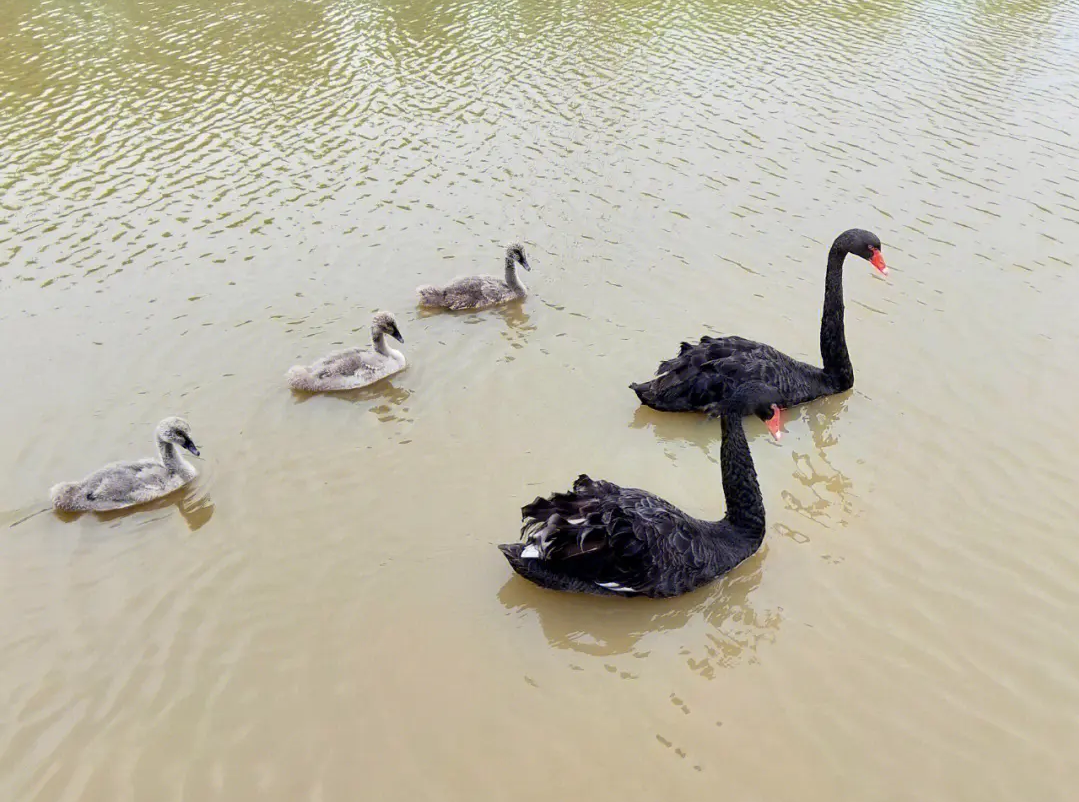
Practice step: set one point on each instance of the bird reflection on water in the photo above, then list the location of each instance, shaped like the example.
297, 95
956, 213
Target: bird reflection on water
719, 624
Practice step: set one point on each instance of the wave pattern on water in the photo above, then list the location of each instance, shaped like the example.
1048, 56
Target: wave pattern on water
196, 195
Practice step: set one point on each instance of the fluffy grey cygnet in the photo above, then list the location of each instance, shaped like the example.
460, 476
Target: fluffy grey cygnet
480, 292
124, 484
353, 368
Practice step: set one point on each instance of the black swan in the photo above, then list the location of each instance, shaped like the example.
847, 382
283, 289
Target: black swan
619, 541
708, 372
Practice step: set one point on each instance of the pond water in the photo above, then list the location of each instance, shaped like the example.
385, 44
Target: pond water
196, 195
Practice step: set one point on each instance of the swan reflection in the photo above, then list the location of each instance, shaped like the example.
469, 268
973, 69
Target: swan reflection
720, 624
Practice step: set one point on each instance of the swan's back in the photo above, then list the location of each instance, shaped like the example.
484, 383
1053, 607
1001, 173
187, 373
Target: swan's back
468, 292
118, 485
347, 369
605, 539
710, 371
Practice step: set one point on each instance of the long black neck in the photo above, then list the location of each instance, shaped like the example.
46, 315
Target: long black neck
833, 340
745, 506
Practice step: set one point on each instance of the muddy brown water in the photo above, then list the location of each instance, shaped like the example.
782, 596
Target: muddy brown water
195, 196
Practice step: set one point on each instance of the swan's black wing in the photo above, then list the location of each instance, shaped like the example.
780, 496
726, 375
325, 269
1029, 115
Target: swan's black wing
708, 372
610, 540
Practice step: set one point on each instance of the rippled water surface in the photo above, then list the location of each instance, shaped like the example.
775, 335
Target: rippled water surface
196, 195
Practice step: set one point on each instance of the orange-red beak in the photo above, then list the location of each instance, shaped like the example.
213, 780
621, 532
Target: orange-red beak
877, 260
775, 423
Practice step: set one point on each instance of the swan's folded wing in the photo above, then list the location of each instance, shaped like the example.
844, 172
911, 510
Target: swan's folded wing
473, 291
709, 371
341, 363
120, 481
601, 533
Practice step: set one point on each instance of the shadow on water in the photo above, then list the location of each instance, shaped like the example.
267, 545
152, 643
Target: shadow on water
826, 484
513, 312
518, 325
382, 390
517, 320
690, 428
603, 627
693, 428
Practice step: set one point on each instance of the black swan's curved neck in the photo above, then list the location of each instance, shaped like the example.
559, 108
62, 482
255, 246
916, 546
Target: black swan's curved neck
745, 506
833, 340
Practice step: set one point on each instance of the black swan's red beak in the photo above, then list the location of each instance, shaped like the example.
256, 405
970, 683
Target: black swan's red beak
877, 260
775, 423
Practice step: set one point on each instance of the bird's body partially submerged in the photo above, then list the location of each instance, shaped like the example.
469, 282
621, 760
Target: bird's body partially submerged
353, 368
609, 540
480, 292
707, 372
125, 484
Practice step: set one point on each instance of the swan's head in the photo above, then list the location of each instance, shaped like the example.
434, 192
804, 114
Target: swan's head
755, 398
865, 244
386, 323
516, 253
178, 432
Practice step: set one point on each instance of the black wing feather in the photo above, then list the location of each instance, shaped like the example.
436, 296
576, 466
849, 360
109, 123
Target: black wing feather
706, 373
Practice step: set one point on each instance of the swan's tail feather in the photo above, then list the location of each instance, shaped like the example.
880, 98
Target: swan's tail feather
300, 378
431, 295
539, 573
642, 391
67, 496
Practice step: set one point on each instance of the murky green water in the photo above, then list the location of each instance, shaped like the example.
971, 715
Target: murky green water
195, 196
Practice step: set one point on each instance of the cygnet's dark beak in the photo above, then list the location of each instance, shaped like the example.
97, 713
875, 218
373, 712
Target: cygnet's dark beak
189, 444
524, 264
396, 334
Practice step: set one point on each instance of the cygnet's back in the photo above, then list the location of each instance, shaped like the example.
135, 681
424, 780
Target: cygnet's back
352, 368
480, 292
124, 484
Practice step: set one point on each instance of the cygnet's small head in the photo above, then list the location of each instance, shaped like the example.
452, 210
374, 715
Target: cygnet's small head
386, 323
865, 244
516, 253
178, 432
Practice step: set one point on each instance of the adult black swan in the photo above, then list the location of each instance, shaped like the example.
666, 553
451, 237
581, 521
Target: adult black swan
709, 372
619, 541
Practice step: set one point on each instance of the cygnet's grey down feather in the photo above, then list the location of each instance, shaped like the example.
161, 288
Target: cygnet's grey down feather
124, 484
353, 368
480, 292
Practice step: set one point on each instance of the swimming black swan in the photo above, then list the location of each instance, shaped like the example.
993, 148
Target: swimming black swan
708, 372
619, 541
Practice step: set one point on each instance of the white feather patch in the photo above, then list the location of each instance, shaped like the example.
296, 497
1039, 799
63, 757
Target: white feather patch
530, 552
616, 587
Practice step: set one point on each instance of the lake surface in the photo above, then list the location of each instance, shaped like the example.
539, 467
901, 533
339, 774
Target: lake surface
196, 195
